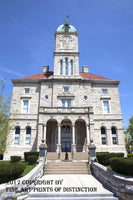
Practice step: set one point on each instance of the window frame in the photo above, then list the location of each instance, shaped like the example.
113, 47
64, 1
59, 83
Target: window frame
28, 127
16, 136
27, 90
65, 87
22, 106
105, 92
109, 109
114, 135
103, 135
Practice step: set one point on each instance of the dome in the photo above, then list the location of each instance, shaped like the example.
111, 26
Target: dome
61, 28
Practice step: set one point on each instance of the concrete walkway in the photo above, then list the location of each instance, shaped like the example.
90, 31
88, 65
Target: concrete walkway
70, 187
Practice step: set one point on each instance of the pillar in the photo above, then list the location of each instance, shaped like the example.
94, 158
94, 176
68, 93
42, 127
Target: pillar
73, 146
59, 139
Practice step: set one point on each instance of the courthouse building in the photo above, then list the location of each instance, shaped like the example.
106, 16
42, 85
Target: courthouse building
66, 108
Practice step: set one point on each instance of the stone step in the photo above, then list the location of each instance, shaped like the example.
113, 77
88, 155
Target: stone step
72, 196
67, 168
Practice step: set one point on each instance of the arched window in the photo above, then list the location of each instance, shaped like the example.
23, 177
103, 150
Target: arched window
61, 66
17, 135
71, 67
28, 136
66, 66
103, 136
114, 135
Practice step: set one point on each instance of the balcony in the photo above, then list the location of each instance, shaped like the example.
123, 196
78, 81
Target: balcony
63, 110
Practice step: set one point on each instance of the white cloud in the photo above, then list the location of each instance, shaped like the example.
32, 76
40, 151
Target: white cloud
11, 71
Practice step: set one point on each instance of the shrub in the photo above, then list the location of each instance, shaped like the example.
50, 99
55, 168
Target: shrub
1, 156
130, 155
31, 153
123, 166
104, 158
10, 171
15, 158
32, 159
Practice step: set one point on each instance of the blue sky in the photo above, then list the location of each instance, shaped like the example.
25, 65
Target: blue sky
105, 30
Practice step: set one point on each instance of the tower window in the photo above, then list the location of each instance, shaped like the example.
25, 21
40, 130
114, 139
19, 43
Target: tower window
66, 66
61, 63
66, 89
71, 67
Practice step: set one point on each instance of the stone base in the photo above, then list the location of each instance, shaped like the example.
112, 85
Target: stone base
58, 150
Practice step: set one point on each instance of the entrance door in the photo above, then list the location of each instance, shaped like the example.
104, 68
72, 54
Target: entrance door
66, 138
66, 145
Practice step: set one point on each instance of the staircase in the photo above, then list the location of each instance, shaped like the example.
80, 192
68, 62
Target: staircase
72, 175
67, 168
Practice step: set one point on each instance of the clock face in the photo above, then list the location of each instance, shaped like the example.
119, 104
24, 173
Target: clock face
67, 39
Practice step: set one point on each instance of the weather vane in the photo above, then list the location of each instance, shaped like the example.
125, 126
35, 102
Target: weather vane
66, 20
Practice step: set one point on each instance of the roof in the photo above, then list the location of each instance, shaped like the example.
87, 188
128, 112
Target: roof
46, 75
61, 28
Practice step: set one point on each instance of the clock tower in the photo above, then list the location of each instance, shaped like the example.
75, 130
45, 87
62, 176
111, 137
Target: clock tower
66, 55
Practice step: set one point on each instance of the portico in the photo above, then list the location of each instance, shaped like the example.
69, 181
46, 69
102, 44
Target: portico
61, 131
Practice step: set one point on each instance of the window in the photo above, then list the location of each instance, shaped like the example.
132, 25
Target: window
28, 136
25, 106
71, 67
66, 66
85, 97
106, 109
66, 89
61, 65
66, 103
46, 96
65, 129
17, 135
103, 136
114, 135
105, 91
27, 90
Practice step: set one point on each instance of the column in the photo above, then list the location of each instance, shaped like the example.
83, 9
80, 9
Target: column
44, 133
73, 146
59, 139
87, 134
87, 137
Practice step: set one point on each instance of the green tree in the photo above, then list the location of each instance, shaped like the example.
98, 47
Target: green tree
5, 123
129, 136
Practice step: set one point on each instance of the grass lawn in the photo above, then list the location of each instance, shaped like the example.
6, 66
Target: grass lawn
109, 167
28, 168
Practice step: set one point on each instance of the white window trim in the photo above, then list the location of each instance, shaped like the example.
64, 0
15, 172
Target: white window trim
103, 106
26, 89
25, 138
116, 135
14, 136
22, 103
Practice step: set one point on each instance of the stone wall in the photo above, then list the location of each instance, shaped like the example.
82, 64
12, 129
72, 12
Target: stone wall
121, 185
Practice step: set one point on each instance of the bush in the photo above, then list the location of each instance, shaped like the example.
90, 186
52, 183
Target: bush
31, 153
32, 159
1, 156
104, 158
15, 158
10, 171
123, 166
130, 155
